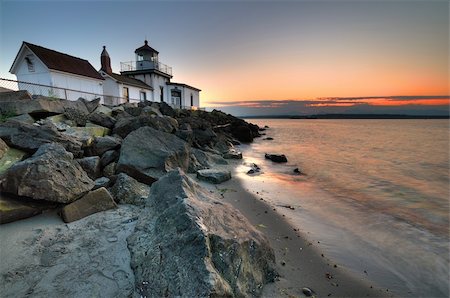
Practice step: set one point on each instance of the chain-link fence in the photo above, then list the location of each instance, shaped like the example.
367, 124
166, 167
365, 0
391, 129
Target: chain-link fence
36, 90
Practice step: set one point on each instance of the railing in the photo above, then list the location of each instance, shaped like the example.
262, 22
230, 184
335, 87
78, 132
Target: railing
144, 65
36, 90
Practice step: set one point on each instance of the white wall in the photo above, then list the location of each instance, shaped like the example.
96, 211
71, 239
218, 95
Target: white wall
186, 95
156, 81
83, 84
40, 75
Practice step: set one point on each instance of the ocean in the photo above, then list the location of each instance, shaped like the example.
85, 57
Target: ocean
374, 197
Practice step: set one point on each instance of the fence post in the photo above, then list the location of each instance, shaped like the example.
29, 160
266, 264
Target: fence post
65, 93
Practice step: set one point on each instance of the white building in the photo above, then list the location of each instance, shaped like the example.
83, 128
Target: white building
118, 88
38, 65
51, 73
150, 70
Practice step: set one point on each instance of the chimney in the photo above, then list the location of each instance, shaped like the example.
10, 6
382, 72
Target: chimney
106, 61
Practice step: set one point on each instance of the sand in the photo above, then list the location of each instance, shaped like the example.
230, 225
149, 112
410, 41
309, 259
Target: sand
300, 262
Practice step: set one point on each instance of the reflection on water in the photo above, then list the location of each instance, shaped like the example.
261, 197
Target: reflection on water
375, 190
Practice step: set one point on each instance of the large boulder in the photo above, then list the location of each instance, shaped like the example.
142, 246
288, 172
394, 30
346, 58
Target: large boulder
147, 154
12, 209
204, 160
188, 243
128, 124
127, 190
213, 175
243, 133
29, 137
95, 201
51, 174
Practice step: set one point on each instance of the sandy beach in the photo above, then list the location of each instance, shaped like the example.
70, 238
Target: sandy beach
299, 262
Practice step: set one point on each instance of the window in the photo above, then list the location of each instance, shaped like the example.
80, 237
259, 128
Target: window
142, 96
192, 100
30, 64
161, 96
126, 94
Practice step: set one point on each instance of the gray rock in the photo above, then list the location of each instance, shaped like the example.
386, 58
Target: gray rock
243, 133
232, 154
150, 110
91, 165
14, 95
29, 137
188, 243
102, 120
101, 182
185, 133
109, 157
94, 201
127, 190
110, 170
91, 105
213, 175
276, 157
103, 144
147, 154
23, 118
3, 148
50, 174
128, 124
204, 160
13, 209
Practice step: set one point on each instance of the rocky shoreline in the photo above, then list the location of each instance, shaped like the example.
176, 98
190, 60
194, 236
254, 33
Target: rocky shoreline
136, 224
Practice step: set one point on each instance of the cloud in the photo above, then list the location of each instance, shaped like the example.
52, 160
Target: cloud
414, 105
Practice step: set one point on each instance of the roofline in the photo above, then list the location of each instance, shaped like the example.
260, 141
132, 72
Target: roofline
184, 85
126, 83
74, 74
134, 72
22, 47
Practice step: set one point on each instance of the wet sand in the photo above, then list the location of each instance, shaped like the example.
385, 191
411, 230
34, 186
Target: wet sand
299, 261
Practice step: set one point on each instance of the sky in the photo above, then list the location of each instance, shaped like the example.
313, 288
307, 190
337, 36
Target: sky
260, 57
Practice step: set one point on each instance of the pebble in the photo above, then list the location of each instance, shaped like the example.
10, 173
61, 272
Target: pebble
112, 239
308, 292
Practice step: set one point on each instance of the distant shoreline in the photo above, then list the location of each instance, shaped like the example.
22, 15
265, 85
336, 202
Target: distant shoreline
348, 116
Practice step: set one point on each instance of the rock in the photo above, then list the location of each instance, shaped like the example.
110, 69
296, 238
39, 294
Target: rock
308, 292
166, 109
276, 157
50, 174
127, 190
29, 138
91, 165
101, 109
147, 154
189, 243
87, 134
243, 134
297, 171
232, 154
14, 96
9, 158
13, 209
268, 139
91, 105
103, 144
109, 157
3, 148
93, 202
101, 182
110, 170
71, 260
185, 133
26, 118
79, 117
102, 120
204, 136
254, 168
128, 124
149, 110
203, 160
214, 176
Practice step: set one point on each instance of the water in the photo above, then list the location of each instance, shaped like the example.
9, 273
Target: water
376, 195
